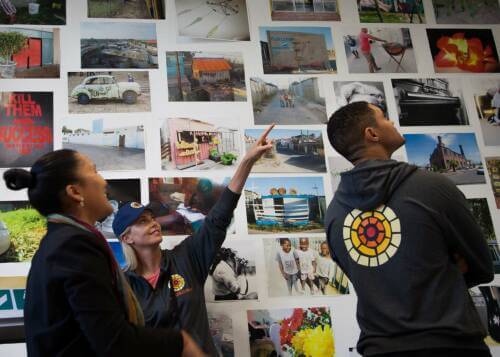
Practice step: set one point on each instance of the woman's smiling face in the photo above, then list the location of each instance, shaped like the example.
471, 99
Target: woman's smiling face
145, 231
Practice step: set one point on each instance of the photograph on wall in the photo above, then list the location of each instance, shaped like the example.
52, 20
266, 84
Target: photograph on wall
109, 92
379, 50
486, 299
297, 50
26, 127
288, 101
285, 205
305, 10
372, 92
221, 329
216, 19
395, 11
29, 53
463, 50
232, 276
291, 332
12, 297
302, 267
456, 156
200, 76
293, 151
429, 101
486, 93
33, 12
119, 192
110, 144
493, 166
191, 144
466, 11
481, 212
21, 230
118, 45
180, 204
126, 9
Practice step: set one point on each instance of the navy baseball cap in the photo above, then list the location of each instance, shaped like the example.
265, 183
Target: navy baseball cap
126, 216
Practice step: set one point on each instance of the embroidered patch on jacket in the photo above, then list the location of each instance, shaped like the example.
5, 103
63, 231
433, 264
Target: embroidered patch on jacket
178, 282
372, 237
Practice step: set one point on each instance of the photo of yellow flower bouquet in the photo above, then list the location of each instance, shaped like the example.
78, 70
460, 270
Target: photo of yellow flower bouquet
299, 332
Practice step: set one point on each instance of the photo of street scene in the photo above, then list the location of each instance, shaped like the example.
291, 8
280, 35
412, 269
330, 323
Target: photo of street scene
33, 12
109, 92
305, 10
215, 19
466, 11
119, 192
481, 212
126, 9
454, 155
293, 151
302, 266
205, 77
233, 273
430, 101
110, 144
347, 92
463, 50
118, 45
297, 50
379, 50
29, 53
288, 101
285, 205
21, 230
396, 11
486, 93
493, 166
272, 332
192, 144
180, 204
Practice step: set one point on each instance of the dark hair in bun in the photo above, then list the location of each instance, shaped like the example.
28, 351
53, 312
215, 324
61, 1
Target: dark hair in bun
47, 180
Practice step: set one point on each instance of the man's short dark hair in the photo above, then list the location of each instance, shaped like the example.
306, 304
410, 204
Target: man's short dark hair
346, 128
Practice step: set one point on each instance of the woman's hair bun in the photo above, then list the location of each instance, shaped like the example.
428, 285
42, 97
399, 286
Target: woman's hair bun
17, 179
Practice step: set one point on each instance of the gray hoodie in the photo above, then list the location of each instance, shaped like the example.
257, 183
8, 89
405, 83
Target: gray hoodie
394, 229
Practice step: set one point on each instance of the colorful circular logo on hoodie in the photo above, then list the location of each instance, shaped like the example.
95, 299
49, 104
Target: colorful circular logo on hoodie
372, 237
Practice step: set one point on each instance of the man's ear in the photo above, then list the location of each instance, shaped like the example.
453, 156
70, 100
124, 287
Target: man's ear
74, 193
371, 135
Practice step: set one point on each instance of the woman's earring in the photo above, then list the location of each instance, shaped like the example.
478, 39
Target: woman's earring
82, 202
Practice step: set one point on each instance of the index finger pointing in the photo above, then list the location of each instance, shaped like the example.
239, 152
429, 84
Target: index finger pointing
266, 133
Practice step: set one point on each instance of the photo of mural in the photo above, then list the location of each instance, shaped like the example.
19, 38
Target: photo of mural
109, 92
29, 53
296, 332
180, 204
216, 19
406, 11
288, 101
126, 9
285, 205
110, 145
293, 151
205, 77
192, 144
118, 45
379, 50
486, 93
302, 266
26, 127
463, 50
466, 11
454, 155
33, 12
429, 101
304, 10
297, 50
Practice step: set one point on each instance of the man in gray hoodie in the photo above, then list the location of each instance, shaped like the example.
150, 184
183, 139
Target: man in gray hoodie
407, 241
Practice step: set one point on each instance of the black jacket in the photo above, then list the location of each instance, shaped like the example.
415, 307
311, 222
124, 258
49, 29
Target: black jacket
186, 267
72, 307
394, 229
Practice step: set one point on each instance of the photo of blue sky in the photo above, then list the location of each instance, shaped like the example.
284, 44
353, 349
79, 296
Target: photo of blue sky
325, 31
280, 133
419, 147
304, 185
